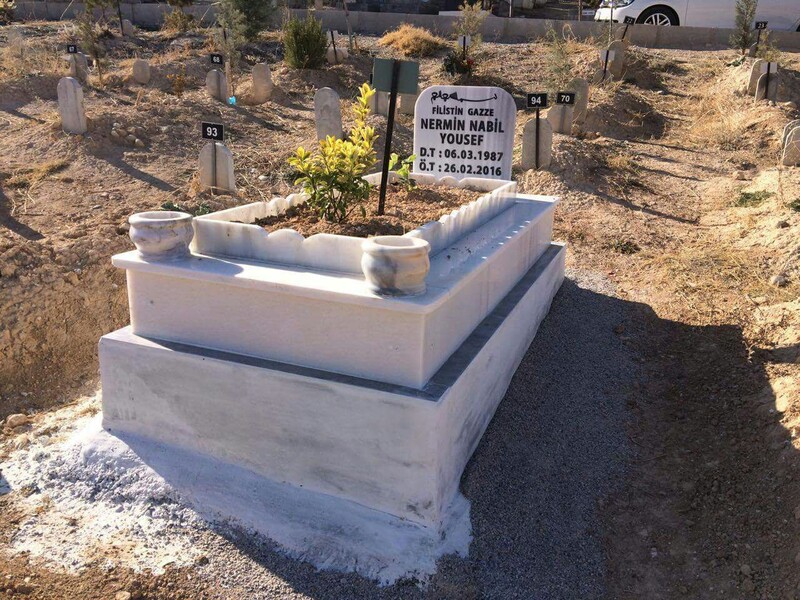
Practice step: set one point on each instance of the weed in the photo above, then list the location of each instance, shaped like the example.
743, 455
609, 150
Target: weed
202, 208
750, 199
178, 21
559, 67
27, 178
404, 172
624, 246
795, 205
178, 81
412, 41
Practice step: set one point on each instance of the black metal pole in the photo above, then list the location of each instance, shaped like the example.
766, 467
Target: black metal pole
605, 65
464, 47
333, 44
766, 83
625, 31
387, 150
536, 154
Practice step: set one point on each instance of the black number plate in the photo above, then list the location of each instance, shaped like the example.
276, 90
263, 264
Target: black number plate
565, 98
213, 131
538, 100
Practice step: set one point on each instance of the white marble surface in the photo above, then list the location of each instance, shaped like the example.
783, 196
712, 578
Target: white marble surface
331, 319
70, 105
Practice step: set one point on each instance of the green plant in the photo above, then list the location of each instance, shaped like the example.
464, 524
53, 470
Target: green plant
626, 247
90, 40
404, 172
257, 14
752, 198
178, 81
202, 208
333, 176
559, 67
470, 22
229, 37
304, 43
767, 49
178, 21
743, 35
456, 64
7, 11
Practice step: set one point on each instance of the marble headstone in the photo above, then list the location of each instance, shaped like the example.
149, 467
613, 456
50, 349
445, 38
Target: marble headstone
791, 149
262, 83
70, 106
616, 63
560, 117
581, 88
529, 144
217, 85
78, 66
327, 113
225, 181
141, 71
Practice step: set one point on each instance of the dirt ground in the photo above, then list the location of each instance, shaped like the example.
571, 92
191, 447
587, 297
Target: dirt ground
671, 191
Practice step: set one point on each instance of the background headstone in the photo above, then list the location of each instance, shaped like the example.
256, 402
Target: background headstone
788, 129
78, 66
379, 103
406, 103
141, 71
755, 73
127, 28
217, 85
464, 131
226, 181
529, 144
791, 149
560, 117
262, 83
762, 93
616, 63
70, 106
327, 113
341, 54
606, 58
581, 88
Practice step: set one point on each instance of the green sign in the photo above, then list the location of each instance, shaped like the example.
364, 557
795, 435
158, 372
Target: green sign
407, 80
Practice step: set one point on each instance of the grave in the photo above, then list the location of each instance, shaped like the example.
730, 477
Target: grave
407, 102
127, 28
462, 131
603, 74
791, 148
262, 83
327, 114
581, 88
141, 71
70, 106
216, 158
768, 82
755, 73
616, 63
560, 117
529, 144
337, 50
357, 405
788, 129
379, 103
217, 85
78, 66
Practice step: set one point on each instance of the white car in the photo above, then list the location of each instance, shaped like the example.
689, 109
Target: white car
780, 14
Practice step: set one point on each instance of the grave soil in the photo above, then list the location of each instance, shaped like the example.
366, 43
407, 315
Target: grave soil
709, 505
405, 210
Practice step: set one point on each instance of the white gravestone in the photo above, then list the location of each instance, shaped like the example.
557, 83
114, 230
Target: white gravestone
70, 106
141, 71
791, 149
127, 28
788, 129
767, 85
560, 117
755, 73
337, 51
464, 131
379, 103
616, 62
604, 72
327, 113
529, 144
581, 87
78, 66
262, 83
407, 102
222, 158
217, 85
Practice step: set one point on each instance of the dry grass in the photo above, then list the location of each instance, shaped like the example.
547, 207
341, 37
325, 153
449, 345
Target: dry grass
27, 178
21, 57
412, 41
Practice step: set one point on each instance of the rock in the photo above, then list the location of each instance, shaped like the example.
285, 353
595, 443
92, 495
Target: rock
21, 441
122, 595
114, 133
746, 570
138, 143
748, 585
782, 224
779, 280
17, 420
201, 560
262, 177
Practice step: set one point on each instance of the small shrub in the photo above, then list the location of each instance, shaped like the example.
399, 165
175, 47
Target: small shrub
7, 8
202, 208
404, 172
304, 43
333, 176
743, 36
626, 247
257, 15
412, 41
178, 81
559, 67
178, 21
767, 49
90, 40
456, 64
229, 37
470, 22
749, 199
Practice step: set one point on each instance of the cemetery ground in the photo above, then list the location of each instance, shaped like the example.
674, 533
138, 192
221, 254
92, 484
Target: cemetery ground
647, 446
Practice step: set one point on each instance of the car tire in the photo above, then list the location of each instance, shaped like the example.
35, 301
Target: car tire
659, 15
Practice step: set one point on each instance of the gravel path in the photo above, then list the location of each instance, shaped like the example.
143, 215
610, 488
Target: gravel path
556, 446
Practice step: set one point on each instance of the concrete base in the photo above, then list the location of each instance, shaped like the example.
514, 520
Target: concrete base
393, 449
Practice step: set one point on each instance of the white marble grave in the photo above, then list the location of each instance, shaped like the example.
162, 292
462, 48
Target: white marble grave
790, 156
327, 114
216, 156
529, 144
140, 71
262, 84
217, 85
70, 106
